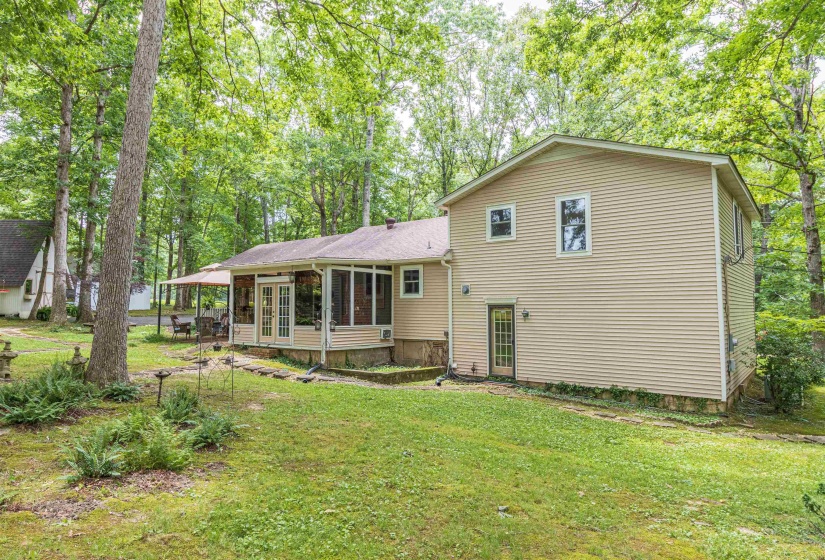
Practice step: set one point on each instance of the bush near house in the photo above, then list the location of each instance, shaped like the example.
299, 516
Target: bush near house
787, 358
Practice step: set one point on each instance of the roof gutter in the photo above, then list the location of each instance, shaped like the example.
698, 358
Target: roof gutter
332, 261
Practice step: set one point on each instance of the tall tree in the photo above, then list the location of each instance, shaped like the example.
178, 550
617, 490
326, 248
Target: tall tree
108, 357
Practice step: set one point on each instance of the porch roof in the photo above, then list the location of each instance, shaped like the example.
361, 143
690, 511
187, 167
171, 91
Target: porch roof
406, 241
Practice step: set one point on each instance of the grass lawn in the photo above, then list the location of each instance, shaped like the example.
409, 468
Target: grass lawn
344, 471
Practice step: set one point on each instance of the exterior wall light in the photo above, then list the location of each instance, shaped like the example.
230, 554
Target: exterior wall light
525, 313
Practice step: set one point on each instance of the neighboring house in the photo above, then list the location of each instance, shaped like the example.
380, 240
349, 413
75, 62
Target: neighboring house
589, 262
140, 296
21, 266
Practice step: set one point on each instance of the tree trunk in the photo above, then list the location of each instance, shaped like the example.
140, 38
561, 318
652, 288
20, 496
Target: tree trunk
366, 196
41, 284
108, 357
85, 314
61, 208
767, 220
265, 217
814, 250
140, 261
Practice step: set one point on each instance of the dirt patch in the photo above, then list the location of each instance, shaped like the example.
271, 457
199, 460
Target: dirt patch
146, 482
213, 466
257, 407
58, 509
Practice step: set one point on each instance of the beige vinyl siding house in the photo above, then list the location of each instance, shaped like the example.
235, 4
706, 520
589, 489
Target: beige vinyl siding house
639, 307
740, 287
358, 314
580, 261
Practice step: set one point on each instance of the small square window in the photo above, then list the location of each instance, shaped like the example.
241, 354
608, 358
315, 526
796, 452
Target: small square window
412, 281
501, 222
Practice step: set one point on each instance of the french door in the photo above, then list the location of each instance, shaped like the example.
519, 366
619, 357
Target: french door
502, 340
265, 327
283, 332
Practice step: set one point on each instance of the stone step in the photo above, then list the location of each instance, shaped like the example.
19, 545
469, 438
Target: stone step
266, 370
281, 374
305, 378
252, 367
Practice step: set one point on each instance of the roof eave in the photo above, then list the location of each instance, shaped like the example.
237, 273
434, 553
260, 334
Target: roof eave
333, 261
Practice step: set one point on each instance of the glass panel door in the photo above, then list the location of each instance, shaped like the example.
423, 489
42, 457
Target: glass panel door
265, 334
284, 313
502, 341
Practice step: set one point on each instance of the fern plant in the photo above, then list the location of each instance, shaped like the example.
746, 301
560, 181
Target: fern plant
179, 405
94, 456
121, 392
158, 447
211, 429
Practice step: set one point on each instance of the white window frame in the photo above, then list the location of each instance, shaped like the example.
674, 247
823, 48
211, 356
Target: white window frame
738, 232
420, 269
587, 223
512, 208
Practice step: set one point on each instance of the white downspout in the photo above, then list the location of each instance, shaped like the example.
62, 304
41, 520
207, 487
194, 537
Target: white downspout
449, 311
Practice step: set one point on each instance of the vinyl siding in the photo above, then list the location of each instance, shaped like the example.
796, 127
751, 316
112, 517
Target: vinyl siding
740, 278
244, 334
640, 312
306, 337
353, 337
424, 318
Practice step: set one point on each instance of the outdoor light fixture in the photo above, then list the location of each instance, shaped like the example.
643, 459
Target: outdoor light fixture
292, 277
318, 323
525, 313
332, 324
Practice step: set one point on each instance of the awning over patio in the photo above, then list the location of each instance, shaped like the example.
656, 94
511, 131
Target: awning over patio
207, 276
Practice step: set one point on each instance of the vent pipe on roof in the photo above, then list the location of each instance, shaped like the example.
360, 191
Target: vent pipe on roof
390, 223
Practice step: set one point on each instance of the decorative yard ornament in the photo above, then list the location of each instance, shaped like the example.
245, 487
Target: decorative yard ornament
161, 375
78, 363
6, 356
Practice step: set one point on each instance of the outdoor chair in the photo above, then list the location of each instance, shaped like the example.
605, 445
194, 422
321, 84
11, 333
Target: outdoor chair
221, 326
180, 328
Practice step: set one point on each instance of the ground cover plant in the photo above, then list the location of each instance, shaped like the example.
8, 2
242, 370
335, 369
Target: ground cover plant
44, 398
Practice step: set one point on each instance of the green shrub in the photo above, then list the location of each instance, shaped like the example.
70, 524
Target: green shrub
121, 392
72, 310
211, 428
44, 398
159, 446
618, 393
179, 405
94, 456
44, 313
646, 398
130, 429
816, 509
788, 360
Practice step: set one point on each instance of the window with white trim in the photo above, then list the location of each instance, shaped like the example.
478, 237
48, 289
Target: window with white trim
501, 222
412, 281
738, 232
573, 225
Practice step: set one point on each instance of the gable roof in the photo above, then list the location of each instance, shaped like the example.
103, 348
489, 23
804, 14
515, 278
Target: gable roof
724, 165
406, 241
20, 241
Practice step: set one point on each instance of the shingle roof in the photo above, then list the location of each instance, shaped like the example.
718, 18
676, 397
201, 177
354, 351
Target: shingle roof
20, 241
407, 241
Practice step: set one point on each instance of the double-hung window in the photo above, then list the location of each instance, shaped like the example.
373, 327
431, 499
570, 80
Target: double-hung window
501, 222
738, 232
573, 225
412, 281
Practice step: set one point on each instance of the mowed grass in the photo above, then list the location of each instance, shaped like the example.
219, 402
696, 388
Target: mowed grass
342, 471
